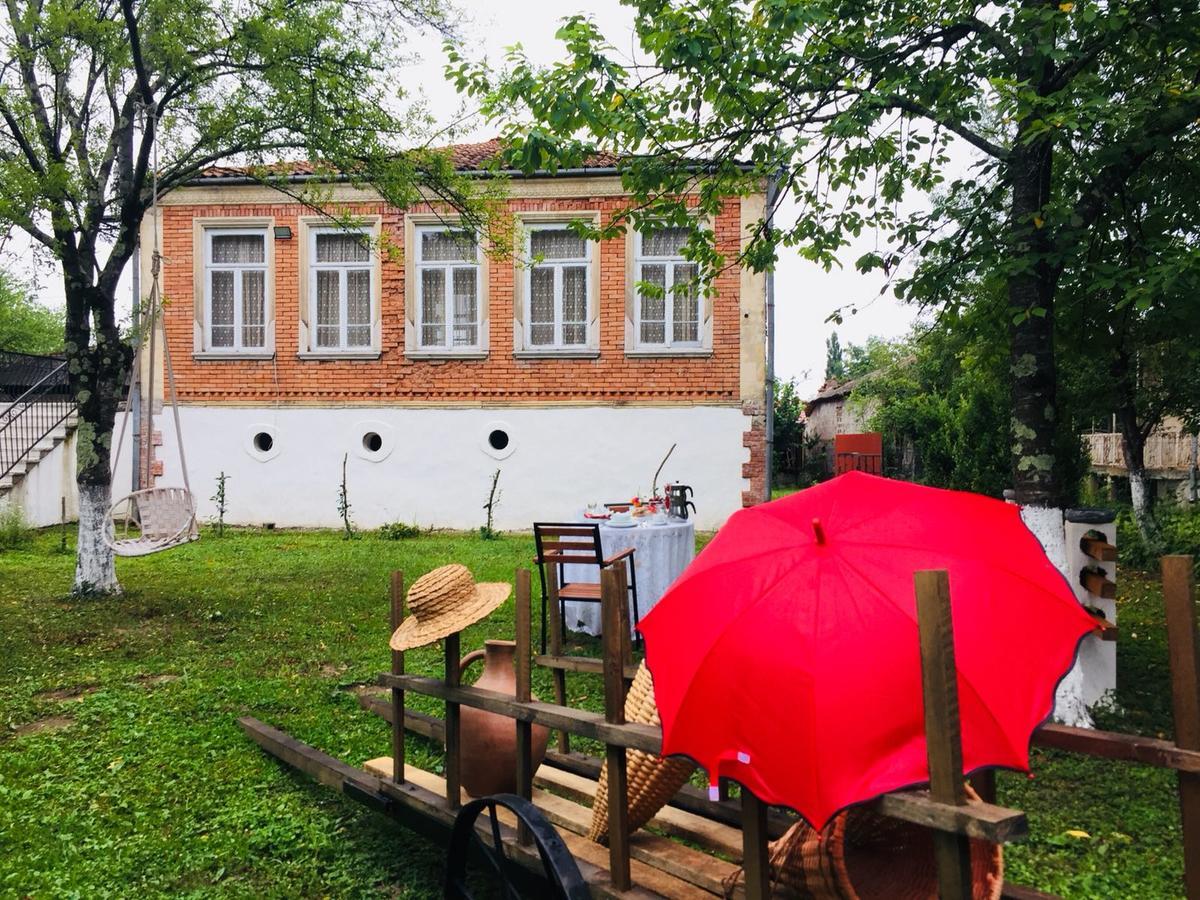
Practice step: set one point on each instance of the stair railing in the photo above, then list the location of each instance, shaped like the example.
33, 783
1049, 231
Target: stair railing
42, 402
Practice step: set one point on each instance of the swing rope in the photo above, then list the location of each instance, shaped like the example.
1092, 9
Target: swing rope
167, 516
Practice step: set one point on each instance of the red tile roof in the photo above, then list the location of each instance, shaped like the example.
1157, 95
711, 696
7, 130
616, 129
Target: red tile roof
466, 157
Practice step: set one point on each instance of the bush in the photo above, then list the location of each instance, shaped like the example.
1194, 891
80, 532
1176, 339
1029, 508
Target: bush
1180, 527
398, 531
13, 529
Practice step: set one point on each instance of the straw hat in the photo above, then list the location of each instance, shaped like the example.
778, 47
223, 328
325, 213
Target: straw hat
444, 601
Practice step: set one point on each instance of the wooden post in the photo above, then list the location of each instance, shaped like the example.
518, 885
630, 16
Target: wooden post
613, 596
523, 692
397, 594
556, 649
939, 680
453, 729
755, 862
1179, 593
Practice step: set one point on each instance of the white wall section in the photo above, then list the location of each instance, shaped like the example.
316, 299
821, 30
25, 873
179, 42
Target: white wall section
435, 467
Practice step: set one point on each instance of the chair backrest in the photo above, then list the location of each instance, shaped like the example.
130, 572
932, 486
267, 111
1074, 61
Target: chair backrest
560, 543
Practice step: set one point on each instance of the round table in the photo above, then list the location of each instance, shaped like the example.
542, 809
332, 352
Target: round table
661, 553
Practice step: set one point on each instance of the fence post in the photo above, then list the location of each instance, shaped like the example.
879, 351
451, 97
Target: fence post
556, 648
397, 616
453, 726
523, 693
1179, 592
613, 596
939, 681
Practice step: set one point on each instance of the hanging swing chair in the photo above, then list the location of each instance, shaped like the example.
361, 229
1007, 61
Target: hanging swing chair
165, 516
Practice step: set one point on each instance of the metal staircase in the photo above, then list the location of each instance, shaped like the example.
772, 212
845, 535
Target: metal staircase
37, 412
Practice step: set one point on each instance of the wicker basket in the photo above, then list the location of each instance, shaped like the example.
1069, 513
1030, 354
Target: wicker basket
861, 855
653, 780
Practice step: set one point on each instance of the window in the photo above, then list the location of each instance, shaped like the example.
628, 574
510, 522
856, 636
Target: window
557, 289
448, 306
670, 318
235, 290
340, 275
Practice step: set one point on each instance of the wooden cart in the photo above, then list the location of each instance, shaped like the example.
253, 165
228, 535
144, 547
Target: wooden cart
697, 845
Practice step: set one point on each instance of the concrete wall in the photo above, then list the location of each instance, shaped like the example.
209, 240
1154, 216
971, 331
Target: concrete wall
435, 464
41, 491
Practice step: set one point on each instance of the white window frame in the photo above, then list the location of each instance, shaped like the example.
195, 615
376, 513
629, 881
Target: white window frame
448, 346
342, 348
670, 262
558, 264
209, 267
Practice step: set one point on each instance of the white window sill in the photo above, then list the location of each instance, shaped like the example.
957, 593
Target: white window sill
339, 354
226, 355
669, 351
558, 353
431, 354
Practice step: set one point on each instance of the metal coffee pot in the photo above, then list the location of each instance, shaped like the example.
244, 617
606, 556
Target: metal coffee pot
678, 502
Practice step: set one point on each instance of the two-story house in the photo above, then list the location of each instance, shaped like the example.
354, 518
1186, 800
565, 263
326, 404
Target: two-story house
296, 344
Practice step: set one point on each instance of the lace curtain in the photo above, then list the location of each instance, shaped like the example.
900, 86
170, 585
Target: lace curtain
238, 249
556, 243
339, 246
328, 308
454, 246
664, 241
220, 309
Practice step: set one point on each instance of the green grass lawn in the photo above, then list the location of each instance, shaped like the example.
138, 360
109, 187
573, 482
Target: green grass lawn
123, 773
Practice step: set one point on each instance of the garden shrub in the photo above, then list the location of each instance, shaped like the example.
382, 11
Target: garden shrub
14, 530
398, 531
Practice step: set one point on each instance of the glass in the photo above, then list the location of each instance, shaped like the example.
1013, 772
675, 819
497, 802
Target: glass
556, 243
238, 249
456, 246
664, 241
253, 308
433, 307
686, 304
541, 305
466, 308
341, 246
328, 308
221, 309
358, 308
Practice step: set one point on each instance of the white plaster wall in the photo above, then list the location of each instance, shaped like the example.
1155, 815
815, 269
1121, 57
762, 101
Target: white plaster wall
40, 492
434, 469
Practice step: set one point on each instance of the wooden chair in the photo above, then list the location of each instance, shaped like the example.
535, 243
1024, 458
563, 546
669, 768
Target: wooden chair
574, 543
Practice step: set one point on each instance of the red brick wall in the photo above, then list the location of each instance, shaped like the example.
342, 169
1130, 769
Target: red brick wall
612, 377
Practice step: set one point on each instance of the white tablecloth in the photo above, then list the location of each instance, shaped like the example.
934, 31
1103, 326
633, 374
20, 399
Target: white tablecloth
662, 552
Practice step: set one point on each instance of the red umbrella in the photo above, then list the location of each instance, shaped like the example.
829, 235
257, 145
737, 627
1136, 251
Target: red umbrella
787, 657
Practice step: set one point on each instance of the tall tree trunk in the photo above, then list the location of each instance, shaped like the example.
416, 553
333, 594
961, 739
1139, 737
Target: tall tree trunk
1133, 444
98, 363
1031, 346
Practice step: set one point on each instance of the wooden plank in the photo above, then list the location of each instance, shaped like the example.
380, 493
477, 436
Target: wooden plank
755, 862
612, 582
939, 682
1098, 549
397, 616
453, 723
695, 829
1183, 649
328, 770
524, 746
566, 531
556, 649
1113, 745
1012, 891
590, 664
980, 820
588, 724
1098, 583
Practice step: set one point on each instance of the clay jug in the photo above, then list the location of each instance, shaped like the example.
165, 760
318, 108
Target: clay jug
488, 745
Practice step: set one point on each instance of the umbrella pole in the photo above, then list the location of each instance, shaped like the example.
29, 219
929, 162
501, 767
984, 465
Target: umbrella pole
943, 738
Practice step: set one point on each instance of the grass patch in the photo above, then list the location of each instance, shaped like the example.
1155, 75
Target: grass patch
146, 787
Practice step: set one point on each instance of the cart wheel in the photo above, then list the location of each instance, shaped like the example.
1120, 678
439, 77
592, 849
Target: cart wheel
561, 875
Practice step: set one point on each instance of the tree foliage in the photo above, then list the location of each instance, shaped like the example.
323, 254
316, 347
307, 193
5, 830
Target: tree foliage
105, 102
835, 365
25, 325
852, 107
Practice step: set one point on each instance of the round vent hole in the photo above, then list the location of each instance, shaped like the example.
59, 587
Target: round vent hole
263, 442
372, 442
498, 439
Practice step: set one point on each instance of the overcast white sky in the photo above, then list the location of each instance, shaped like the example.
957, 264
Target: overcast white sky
805, 294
